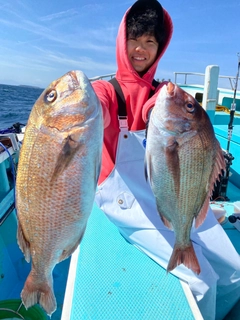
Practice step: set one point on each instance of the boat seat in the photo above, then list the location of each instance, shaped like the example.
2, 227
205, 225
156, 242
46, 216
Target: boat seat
228, 101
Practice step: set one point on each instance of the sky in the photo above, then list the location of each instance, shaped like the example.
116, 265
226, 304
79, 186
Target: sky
41, 40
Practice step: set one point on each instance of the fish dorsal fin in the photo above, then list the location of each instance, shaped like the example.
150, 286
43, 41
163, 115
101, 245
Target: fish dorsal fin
220, 165
69, 148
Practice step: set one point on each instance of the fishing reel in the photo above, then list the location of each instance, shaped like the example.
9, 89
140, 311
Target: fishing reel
235, 220
220, 189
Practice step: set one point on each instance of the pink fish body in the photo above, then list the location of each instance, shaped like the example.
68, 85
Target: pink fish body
183, 161
56, 180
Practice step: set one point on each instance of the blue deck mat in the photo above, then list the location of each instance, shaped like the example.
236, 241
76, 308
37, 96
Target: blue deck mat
117, 281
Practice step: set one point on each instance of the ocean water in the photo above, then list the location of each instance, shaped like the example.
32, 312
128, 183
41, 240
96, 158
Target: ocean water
16, 103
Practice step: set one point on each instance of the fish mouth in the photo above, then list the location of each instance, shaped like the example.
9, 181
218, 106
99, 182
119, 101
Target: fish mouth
75, 78
79, 80
171, 87
167, 123
168, 90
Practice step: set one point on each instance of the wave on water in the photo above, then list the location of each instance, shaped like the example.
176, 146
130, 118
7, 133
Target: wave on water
16, 103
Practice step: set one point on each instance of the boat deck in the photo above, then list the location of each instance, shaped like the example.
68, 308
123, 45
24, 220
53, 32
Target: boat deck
110, 279
114, 280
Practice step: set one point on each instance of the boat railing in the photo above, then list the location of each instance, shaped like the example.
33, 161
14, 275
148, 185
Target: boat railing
186, 74
231, 79
110, 75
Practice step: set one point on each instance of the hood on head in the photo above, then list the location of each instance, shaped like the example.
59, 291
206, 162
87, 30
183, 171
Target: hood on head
125, 70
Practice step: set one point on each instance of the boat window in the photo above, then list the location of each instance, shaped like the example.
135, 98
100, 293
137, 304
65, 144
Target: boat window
199, 97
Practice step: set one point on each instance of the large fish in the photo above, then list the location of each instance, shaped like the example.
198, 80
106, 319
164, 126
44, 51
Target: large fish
56, 180
183, 161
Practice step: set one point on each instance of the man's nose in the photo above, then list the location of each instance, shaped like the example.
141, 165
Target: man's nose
140, 47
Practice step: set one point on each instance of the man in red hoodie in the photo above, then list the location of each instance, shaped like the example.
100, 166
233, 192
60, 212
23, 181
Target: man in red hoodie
123, 192
139, 48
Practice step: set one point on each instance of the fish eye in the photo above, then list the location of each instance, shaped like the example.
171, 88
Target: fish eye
190, 107
51, 96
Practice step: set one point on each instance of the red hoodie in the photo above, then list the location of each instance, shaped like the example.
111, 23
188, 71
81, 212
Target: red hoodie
136, 91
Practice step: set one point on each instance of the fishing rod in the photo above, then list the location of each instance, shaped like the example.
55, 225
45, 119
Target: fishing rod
233, 106
220, 191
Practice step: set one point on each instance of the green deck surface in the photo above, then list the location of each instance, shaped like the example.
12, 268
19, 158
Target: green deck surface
114, 280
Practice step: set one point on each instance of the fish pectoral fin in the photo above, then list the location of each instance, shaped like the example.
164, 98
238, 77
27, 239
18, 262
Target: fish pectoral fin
145, 170
23, 243
98, 168
69, 148
166, 222
68, 251
203, 213
147, 166
173, 163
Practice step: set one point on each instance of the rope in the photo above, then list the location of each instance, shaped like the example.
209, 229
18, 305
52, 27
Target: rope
225, 109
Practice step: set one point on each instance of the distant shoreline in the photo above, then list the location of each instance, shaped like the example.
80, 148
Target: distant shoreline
28, 86
21, 85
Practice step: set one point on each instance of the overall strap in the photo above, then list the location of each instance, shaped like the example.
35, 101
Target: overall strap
122, 111
155, 83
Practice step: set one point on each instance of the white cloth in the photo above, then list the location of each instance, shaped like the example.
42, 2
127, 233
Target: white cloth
127, 200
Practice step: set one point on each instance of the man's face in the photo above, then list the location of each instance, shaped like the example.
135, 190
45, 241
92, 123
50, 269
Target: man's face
142, 52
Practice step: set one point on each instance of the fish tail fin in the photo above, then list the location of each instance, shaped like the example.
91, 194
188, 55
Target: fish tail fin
35, 291
186, 256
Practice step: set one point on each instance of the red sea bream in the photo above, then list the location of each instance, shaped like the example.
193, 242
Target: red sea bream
183, 161
56, 180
